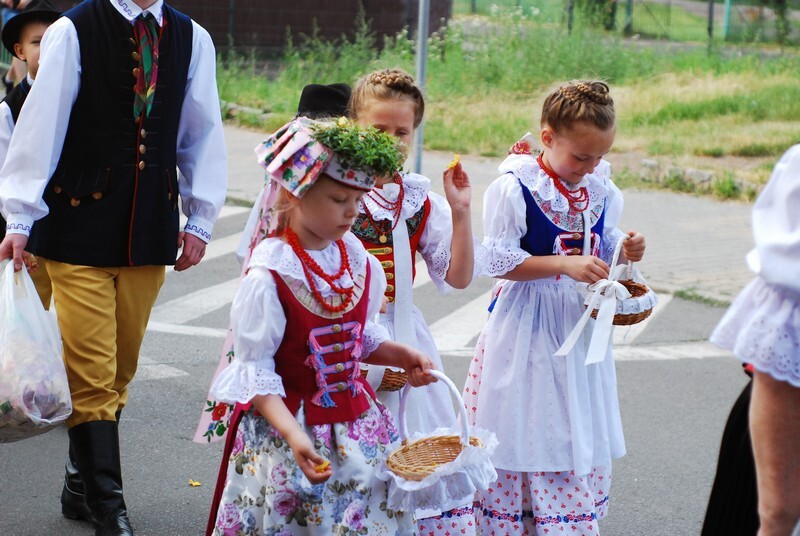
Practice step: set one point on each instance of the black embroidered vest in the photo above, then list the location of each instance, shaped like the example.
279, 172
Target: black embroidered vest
113, 197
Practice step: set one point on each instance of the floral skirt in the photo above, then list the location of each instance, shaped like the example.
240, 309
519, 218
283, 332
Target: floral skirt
266, 493
544, 503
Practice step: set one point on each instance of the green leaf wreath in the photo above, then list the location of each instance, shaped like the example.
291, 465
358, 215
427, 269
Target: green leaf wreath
361, 148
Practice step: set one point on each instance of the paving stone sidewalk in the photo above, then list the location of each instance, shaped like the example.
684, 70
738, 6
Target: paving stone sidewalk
694, 243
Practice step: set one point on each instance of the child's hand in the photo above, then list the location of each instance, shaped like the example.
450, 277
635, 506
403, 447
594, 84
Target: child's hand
585, 268
384, 306
633, 247
457, 189
418, 366
309, 461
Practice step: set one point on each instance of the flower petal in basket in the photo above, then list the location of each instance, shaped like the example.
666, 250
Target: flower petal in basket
456, 481
432, 469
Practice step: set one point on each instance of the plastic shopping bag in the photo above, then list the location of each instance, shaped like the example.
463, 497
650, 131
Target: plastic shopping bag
34, 393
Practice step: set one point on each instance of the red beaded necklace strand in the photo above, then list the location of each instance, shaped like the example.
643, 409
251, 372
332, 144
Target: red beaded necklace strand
310, 266
578, 199
395, 207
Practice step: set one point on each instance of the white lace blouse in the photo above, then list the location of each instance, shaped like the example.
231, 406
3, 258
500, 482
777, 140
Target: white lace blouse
504, 210
437, 235
258, 321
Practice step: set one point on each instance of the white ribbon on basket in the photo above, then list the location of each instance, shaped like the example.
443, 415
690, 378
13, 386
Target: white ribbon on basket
603, 296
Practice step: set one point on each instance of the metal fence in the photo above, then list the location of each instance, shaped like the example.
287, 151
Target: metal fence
767, 21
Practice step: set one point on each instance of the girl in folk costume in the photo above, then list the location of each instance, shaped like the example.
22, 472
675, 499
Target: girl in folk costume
307, 436
550, 221
762, 327
397, 219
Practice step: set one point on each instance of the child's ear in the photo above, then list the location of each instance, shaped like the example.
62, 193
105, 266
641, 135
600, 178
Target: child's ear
547, 137
18, 51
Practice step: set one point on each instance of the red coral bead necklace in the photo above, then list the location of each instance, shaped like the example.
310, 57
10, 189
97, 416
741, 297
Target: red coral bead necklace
310, 267
578, 199
395, 207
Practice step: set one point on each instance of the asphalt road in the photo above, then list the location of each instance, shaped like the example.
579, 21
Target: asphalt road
675, 392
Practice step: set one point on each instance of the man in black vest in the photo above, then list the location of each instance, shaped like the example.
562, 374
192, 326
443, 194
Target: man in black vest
126, 92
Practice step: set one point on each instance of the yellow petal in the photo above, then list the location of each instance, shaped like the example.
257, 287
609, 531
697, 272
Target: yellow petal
194, 483
455, 161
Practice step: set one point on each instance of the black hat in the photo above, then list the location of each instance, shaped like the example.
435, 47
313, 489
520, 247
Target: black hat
319, 100
40, 10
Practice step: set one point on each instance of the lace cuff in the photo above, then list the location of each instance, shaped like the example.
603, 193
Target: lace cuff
374, 336
610, 240
501, 258
241, 381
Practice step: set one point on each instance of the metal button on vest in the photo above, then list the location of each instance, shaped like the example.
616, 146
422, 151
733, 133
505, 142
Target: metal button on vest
336, 328
97, 196
142, 149
390, 299
135, 72
57, 189
132, 41
341, 386
389, 276
576, 251
135, 56
339, 367
169, 196
387, 264
74, 202
576, 236
389, 288
143, 133
337, 347
141, 164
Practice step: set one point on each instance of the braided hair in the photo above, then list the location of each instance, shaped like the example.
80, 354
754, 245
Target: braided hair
579, 101
383, 85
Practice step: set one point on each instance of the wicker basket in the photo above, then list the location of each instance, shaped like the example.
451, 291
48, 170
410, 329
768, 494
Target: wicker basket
639, 291
393, 380
418, 459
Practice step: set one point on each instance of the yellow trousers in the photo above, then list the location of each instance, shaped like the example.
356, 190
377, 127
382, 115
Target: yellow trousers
41, 280
102, 314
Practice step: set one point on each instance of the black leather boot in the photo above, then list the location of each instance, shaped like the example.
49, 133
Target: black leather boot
96, 450
73, 500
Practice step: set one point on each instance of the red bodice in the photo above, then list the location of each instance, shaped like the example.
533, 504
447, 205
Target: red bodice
318, 357
384, 251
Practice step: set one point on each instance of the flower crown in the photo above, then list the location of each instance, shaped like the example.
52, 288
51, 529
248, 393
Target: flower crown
300, 151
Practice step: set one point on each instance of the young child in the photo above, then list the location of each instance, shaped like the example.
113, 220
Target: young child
762, 327
556, 419
307, 436
397, 219
21, 37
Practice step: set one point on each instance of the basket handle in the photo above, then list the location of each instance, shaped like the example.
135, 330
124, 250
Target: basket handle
401, 416
615, 274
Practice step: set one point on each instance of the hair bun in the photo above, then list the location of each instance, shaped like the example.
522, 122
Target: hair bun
394, 79
594, 91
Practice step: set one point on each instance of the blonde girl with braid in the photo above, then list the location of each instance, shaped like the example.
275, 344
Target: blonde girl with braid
399, 218
550, 221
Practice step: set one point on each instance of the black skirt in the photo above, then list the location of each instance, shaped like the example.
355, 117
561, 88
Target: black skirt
733, 505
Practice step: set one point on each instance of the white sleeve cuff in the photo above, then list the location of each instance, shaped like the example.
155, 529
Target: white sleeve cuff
19, 224
199, 227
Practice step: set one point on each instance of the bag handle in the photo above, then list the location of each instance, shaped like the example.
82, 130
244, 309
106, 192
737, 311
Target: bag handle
401, 417
615, 274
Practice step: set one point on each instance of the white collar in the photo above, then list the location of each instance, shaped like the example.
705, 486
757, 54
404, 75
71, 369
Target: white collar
129, 9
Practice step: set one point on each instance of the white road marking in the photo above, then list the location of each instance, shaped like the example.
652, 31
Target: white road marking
151, 370
196, 304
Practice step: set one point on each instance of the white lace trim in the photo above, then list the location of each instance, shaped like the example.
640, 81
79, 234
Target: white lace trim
526, 168
416, 188
471, 471
762, 327
501, 257
242, 380
374, 335
275, 254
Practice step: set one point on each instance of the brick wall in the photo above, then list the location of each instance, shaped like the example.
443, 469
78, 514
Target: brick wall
262, 23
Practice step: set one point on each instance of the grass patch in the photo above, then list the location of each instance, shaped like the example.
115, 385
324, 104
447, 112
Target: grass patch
487, 78
727, 187
693, 296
